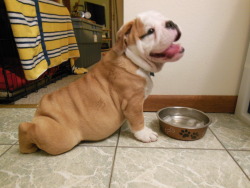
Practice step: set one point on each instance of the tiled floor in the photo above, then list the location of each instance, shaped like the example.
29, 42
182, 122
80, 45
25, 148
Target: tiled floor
220, 159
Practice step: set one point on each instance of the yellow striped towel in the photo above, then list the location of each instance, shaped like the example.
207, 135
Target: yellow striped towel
43, 34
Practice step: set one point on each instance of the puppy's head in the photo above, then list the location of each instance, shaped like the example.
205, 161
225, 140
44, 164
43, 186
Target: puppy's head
149, 41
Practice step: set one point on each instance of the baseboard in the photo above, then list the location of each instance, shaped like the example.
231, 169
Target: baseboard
205, 103
18, 105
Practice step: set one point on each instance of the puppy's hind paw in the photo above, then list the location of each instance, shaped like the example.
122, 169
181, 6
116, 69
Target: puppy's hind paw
146, 135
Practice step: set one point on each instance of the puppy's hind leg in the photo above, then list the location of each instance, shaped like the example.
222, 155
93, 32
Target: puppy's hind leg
25, 138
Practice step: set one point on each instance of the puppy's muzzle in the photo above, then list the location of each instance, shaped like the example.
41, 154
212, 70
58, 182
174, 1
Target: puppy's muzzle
173, 26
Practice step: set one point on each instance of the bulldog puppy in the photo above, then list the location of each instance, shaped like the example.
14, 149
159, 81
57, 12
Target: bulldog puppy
95, 106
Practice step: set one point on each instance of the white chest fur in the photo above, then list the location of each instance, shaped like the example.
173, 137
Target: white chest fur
149, 84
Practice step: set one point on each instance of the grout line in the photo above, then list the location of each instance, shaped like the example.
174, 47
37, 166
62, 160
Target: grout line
169, 148
114, 158
239, 150
6, 150
95, 146
217, 138
228, 151
238, 165
141, 147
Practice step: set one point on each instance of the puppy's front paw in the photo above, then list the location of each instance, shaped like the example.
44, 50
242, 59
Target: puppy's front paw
146, 135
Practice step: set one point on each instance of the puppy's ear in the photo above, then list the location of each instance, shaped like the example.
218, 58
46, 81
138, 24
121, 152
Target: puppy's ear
121, 38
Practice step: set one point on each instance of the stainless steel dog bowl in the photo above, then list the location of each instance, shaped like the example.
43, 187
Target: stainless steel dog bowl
183, 123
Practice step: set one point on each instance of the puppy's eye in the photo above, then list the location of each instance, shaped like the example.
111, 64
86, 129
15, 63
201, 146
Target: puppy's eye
150, 31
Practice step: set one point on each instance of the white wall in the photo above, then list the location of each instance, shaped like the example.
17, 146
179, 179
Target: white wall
215, 34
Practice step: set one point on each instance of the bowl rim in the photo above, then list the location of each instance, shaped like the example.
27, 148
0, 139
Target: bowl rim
191, 128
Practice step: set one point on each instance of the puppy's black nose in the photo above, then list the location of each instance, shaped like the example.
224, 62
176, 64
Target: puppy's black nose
171, 25
178, 36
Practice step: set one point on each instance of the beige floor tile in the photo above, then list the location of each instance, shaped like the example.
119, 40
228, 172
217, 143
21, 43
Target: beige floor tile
170, 163
82, 167
243, 159
10, 118
175, 168
233, 133
4, 148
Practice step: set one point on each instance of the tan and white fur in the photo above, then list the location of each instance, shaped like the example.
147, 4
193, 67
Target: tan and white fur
95, 106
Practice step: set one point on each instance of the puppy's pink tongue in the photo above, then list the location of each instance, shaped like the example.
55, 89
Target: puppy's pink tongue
172, 50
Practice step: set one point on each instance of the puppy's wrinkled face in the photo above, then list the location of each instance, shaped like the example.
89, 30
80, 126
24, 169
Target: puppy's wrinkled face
159, 36
150, 41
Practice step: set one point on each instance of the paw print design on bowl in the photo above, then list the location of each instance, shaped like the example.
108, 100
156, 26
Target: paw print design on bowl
184, 133
195, 135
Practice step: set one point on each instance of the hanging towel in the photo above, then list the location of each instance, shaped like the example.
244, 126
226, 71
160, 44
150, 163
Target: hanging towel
43, 34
